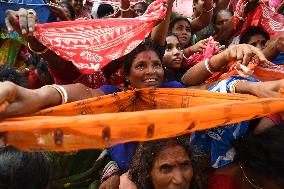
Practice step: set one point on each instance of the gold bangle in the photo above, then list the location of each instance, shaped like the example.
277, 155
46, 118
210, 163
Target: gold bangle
234, 85
37, 52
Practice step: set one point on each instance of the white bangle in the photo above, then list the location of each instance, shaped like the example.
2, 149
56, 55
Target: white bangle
61, 91
124, 10
206, 62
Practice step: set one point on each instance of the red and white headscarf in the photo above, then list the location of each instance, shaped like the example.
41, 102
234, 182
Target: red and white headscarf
92, 44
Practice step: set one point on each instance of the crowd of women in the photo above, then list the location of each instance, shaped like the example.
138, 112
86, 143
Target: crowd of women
213, 50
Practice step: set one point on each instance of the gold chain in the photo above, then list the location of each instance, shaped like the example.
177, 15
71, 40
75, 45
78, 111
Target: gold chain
251, 181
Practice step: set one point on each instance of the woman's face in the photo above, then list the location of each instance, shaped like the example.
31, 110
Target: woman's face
139, 9
77, 5
183, 31
172, 169
222, 18
258, 41
146, 70
173, 54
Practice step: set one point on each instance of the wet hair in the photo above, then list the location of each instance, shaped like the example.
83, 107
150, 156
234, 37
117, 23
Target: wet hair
70, 8
146, 153
177, 19
215, 14
104, 10
143, 4
23, 170
9, 73
263, 153
252, 31
144, 46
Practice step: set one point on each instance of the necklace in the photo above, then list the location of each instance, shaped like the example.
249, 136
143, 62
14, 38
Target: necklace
251, 181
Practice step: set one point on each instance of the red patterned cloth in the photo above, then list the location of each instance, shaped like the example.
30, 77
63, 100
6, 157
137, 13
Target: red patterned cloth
263, 16
92, 44
210, 50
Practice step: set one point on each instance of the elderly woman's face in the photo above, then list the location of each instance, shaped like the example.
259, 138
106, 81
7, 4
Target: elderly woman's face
146, 70
172, 169
222, 18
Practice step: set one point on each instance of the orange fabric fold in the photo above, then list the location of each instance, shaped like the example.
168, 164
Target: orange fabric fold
134, 115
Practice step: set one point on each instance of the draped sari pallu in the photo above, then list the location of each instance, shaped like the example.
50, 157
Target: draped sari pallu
133, 115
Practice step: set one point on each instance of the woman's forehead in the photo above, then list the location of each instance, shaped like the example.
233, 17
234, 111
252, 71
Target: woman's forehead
146, 55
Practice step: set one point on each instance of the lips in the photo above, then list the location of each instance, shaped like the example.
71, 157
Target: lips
177, 60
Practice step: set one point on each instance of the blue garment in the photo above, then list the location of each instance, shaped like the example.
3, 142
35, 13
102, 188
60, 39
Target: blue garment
279, 60
218, 141
122, 153
39, 6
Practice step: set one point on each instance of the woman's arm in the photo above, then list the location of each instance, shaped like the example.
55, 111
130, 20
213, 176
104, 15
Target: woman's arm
199, 73
23, 21
159, 33
205, 18
22, 101
273, 48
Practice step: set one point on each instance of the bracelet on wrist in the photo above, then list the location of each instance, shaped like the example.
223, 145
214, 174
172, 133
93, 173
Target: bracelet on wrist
124, 10
37, 52
234, 84
60, 90
209, 66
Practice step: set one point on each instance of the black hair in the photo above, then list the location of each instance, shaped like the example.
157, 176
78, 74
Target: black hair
9, 73
252, 31
143, 160
70, 8
147, 45
104, 10
215, 14
143, 4
175, 20
23, 170
263, 153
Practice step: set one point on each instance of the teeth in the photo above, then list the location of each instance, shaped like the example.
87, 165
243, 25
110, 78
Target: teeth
150, 80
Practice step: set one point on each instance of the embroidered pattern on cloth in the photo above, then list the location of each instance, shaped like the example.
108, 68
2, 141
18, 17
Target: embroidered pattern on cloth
92, 44
263, 16
210, 50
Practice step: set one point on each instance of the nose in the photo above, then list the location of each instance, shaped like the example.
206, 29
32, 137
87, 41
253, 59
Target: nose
260, 46
177, 178
150, 70
176, 51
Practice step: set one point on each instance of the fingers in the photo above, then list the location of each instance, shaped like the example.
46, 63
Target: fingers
248, 54
23, 21
8, 92
245, 53
31, 20
9, 20
3, 106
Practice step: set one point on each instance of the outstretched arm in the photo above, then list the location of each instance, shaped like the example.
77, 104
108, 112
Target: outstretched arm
199, 73
205, 18
16, 100
23, 21
159, 33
